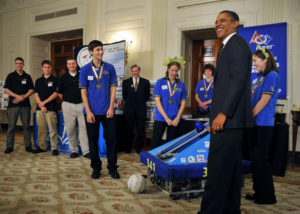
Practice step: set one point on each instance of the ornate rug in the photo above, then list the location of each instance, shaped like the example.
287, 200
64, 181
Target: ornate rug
44, 184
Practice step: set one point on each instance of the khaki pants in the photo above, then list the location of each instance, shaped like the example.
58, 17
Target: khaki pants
44, 119
13, 114
73, 112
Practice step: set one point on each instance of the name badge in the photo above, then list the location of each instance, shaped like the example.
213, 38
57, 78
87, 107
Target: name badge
90, 77
201, 89
49, 84
24, 82
163, 87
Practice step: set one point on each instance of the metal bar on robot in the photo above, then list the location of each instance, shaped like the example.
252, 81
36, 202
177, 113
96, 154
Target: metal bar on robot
166, 155
176, 141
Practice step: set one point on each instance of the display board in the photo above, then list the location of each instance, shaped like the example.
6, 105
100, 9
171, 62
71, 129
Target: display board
3, 97
274, 38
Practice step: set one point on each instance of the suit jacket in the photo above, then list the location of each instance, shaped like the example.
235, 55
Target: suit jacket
232, 84
135, 101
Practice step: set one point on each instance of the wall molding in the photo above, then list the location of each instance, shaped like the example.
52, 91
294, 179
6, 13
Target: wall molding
118, 7
187, 3
247, 19
13, 5
121, 24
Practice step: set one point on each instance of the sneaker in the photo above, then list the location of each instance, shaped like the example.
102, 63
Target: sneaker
96, 173
8, 150
114, 173
87, 155
74, 155
55, 152
38, 150
28, 149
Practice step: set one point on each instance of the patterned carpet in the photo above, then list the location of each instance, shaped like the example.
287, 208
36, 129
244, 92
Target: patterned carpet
44, 184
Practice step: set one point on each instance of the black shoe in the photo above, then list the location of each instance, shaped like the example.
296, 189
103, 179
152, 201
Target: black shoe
28, 149
55, 152
38, 150
88, 156
265, 201
96, 173
128, 151
250, 197
8, 150
74, 155
114, 173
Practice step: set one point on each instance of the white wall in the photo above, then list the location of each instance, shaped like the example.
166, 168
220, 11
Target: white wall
130, 19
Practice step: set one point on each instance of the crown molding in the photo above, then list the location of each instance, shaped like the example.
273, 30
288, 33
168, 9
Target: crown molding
13, 5
186, 3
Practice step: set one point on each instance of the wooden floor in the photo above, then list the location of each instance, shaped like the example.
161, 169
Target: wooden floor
19, 132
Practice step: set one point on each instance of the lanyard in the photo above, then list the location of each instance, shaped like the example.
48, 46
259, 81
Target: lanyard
255, 86
206, 89
170, 89
95, 73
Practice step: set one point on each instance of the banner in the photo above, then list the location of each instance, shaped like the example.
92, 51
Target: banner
274, 38
114, 53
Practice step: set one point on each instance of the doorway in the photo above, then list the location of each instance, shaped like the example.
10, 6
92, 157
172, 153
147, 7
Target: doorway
43, 46
198, 47
204, 52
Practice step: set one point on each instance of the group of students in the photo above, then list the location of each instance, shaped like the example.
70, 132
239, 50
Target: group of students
88, 98
93, 102
19, 86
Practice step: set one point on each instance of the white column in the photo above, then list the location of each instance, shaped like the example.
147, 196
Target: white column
92, 22
274, 11
159, 37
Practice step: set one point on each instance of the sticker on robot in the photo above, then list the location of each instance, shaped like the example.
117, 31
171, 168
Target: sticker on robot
207, 144
191, 159
202, 150
182, 160
200, 158
172, 160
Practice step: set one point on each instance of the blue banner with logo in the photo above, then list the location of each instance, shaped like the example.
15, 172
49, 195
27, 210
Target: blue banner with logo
274, 38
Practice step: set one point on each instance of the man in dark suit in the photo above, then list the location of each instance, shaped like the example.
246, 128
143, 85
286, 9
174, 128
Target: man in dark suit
231, 113
136, 92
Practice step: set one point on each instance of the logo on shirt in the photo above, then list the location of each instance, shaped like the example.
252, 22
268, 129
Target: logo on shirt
84, 57
272, 88
105, 72
178, 89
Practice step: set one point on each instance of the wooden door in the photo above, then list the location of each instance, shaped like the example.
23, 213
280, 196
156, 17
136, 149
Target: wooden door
204, 51
60, 52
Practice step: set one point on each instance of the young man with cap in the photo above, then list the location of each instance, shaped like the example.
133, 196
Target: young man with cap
45, 93
98, 82
72, 106
19, 87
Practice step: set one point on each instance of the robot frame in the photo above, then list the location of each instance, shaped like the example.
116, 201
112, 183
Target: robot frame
181, 164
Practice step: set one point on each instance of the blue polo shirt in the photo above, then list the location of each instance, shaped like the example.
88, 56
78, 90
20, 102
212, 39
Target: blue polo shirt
99, 99
200, 90
161, 90
269, 85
